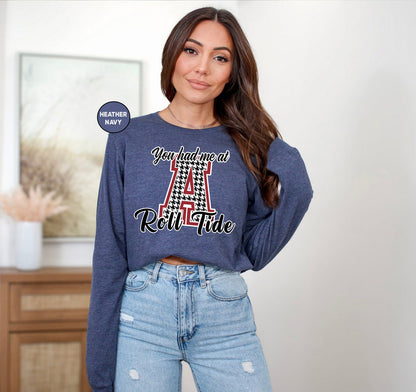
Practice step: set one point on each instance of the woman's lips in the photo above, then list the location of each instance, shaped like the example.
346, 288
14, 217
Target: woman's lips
198, 84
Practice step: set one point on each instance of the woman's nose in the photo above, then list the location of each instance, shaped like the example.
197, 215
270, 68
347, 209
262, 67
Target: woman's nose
203, 65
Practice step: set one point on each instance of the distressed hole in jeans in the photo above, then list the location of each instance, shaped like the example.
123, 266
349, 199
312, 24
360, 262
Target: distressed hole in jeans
133, 374
248, 366
126, 317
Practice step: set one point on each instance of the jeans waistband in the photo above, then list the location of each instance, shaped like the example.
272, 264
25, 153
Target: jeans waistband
185, 272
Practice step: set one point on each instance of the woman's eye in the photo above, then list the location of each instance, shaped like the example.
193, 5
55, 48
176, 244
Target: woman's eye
189, 50
222, 59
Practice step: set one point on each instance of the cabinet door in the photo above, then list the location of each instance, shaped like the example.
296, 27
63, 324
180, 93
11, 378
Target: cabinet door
43, 362
49, 301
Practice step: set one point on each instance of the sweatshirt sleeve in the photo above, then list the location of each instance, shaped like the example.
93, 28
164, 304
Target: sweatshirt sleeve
109, 270
269, 229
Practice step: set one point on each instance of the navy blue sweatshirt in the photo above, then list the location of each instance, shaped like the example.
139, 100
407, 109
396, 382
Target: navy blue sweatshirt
167, 190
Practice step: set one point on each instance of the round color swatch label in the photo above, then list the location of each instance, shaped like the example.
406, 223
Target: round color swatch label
113, 117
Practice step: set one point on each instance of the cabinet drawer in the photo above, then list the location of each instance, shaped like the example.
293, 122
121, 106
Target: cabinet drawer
49, 301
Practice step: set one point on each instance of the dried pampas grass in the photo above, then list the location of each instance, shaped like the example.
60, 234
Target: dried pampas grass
33, 207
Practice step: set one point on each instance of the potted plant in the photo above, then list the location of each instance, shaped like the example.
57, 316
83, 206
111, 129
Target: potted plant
30, 211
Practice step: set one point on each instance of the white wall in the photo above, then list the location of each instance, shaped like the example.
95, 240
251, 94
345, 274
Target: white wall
335, 310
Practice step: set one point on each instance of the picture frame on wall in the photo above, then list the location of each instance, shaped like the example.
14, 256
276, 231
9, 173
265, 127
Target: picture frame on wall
61, 146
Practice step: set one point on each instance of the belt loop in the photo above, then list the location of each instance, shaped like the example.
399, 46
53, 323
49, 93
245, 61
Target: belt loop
156, 271
201, 269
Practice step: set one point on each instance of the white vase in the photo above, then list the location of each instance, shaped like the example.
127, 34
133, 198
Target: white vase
28, 245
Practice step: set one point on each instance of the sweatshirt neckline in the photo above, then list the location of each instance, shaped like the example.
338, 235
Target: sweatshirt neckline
161, 120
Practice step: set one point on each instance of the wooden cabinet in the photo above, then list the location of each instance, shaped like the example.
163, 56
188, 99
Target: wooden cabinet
43, 326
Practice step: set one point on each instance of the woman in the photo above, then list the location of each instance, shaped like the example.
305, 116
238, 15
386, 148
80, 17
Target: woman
189, 199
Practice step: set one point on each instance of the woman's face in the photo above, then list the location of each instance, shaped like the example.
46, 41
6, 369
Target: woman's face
204, 66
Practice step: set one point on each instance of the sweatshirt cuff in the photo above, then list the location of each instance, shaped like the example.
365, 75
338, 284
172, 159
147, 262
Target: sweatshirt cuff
103, 389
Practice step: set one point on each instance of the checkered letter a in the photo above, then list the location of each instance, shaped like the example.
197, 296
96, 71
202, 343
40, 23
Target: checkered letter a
188, 190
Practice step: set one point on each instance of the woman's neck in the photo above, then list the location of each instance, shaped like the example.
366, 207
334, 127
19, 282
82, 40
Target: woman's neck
192, 115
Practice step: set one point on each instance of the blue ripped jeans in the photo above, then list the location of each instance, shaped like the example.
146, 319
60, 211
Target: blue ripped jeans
196, 313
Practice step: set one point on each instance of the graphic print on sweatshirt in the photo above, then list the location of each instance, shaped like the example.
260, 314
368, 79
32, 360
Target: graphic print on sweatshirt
187, 201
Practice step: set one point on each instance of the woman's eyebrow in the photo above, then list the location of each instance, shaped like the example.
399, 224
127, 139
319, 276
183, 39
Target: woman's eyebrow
218, 48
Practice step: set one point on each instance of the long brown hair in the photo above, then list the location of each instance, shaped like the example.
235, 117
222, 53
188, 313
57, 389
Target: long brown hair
238, 107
